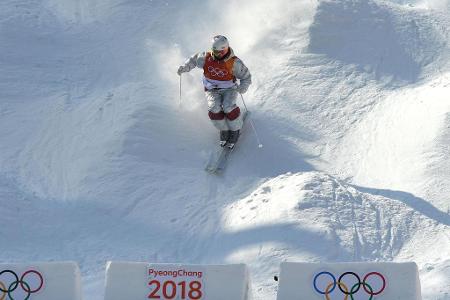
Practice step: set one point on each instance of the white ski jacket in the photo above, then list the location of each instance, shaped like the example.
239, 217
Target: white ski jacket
240, 71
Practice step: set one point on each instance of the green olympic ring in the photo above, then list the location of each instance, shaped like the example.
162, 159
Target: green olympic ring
22, 283
358, 285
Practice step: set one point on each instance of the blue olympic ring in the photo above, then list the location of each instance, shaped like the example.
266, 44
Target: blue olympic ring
315, 281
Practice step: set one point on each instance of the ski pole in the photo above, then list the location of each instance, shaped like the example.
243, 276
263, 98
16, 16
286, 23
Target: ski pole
180, 89
251, 123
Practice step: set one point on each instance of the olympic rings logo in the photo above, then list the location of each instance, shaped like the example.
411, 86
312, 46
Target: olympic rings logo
25, 283
352, 289
217, 72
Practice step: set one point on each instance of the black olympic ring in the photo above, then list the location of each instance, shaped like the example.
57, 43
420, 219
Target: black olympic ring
344, 289
357, 277
23, 284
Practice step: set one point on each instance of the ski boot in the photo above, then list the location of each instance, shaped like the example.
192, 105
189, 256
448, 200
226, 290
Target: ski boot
224, 136
232, 139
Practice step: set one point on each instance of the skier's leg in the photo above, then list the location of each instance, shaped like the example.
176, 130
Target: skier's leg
231, 110
232, 115
217, 115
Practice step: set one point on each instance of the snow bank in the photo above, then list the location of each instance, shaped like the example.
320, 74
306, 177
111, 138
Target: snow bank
312, 281
314, 217
391, 52
132, 280
41, 281
418, 117
321, 217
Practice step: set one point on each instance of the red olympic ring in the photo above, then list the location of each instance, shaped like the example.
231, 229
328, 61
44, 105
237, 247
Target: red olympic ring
40, 278
382, 278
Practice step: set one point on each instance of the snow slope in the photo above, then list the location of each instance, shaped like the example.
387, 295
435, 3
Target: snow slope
100, 160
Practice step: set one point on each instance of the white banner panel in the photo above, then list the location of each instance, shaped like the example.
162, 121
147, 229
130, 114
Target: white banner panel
139, 281
352, 281
40, 281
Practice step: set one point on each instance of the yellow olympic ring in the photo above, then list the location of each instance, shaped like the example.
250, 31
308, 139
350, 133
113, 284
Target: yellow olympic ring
4, 293
327, 290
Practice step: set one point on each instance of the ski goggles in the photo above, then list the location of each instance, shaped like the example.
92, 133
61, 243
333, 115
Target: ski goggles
220, 53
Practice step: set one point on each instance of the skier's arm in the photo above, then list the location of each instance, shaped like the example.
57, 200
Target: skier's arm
196, 60
243, 74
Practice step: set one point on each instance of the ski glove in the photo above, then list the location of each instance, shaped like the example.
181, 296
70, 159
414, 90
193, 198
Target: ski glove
182, 69
242, 89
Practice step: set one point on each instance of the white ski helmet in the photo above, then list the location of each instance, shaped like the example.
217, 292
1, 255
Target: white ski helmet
219, 45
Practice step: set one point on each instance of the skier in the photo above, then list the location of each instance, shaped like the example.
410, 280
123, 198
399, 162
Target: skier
221, 69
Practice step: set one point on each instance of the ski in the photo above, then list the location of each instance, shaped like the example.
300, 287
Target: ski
218, 160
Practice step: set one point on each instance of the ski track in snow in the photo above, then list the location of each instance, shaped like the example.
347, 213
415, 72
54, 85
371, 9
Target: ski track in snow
100, 159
